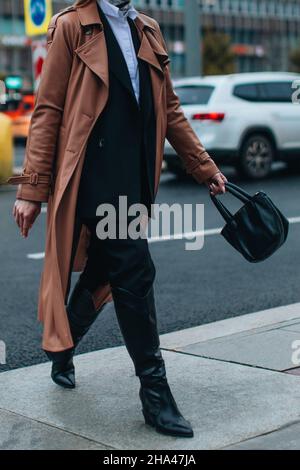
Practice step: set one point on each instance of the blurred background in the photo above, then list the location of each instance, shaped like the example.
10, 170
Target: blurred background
236, 69
237, 35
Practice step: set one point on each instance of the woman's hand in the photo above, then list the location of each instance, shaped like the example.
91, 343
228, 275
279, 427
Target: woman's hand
216, 184
25, 213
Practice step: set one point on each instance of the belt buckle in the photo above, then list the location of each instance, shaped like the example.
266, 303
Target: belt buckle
33, 178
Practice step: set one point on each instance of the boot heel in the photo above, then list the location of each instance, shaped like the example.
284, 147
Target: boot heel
148, 419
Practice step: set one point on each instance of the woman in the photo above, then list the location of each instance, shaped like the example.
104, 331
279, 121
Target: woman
104, 107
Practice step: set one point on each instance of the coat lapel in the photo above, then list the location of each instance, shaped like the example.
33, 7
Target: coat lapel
147, 54
151, 50
94, 54
153, 53
116, 60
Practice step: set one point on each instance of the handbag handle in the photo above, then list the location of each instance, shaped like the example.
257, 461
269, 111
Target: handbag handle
238, 192
235, 191
227, 216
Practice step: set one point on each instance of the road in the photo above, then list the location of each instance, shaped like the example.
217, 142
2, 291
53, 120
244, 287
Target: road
192, 288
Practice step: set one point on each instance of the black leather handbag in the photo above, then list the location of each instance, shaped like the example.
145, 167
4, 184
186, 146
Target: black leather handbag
257, 229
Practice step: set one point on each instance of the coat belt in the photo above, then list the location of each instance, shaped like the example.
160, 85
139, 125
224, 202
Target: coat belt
30, 178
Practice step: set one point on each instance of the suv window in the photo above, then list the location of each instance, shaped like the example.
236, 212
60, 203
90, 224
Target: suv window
194, 94
265, 92
276, 92
248, 92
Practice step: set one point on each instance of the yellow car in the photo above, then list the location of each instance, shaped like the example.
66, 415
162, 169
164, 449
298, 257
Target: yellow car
6, 148
20, 112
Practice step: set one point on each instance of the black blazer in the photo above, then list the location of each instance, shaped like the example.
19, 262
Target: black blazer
120, 155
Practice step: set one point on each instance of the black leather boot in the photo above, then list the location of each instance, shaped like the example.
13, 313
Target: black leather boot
138, 324
81, 315
63, 370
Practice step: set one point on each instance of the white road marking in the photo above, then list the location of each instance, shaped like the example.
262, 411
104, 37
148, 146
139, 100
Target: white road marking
294, 220
36, 255
177, 236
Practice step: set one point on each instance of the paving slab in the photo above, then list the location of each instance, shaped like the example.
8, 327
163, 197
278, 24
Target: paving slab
292, 327
20, 433
295, 371
290, 322
268, 349
226, 403
273, 317
287, 438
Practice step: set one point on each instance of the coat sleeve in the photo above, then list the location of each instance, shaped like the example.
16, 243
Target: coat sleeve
182, 137
36, 179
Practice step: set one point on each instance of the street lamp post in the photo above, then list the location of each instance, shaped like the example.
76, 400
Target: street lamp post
193, 38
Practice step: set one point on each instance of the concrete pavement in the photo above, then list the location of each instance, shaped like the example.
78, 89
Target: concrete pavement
234, 379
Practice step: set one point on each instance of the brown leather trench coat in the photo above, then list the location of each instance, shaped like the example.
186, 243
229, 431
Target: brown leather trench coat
72, 94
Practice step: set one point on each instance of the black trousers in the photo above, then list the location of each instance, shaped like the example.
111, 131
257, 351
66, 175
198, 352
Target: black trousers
124, 263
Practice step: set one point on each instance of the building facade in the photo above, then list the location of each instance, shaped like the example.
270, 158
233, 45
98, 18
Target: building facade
262, 32
15, 46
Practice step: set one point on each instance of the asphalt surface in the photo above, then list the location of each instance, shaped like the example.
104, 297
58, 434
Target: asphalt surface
192, 288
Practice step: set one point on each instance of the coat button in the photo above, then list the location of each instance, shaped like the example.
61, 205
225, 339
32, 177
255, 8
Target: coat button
101, 142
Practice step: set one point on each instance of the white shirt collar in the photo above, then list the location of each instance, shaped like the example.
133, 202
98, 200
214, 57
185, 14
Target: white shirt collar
111, 10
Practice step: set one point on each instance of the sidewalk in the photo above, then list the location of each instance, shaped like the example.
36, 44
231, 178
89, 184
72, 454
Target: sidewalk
233, 379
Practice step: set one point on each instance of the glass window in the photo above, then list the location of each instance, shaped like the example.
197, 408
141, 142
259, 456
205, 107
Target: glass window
276, 92
194, 94
248, 91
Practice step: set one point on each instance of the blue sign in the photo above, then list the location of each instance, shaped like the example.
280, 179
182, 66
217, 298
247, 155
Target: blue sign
38, 11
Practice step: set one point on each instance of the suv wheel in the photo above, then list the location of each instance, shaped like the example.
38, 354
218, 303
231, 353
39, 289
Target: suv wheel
256, 158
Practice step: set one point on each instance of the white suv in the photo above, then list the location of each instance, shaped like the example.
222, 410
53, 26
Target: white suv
246, 120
